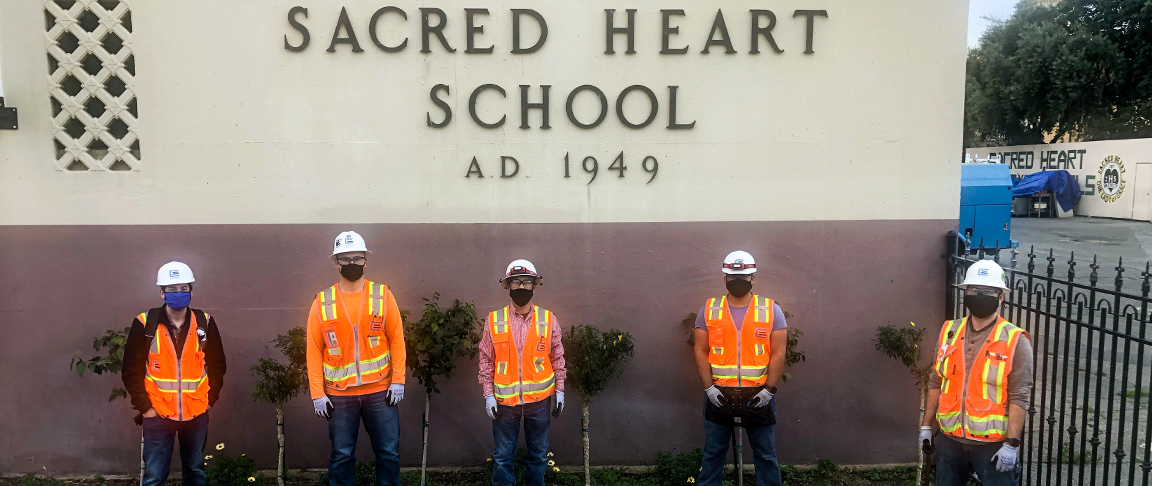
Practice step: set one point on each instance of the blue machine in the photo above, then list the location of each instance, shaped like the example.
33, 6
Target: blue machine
986, 205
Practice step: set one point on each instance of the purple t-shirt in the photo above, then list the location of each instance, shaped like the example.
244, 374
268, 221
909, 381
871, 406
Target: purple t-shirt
778, 321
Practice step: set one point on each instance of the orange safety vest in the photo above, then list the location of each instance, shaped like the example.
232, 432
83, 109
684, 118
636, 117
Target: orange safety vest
525, 378
739, 358
978, 411
177, 388
355, 354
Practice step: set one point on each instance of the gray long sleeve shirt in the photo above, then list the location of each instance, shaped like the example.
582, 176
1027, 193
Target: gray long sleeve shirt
1019, 377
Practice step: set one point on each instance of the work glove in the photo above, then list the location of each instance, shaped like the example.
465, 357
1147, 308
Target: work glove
926, 440
1005, 458
559, 404
490, 406
714, 396
761, 399
321, 405
395, 393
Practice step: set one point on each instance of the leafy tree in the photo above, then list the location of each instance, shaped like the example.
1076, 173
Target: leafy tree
903, 345
433, 345
593, 359
280, 383
1082, 67
111, 344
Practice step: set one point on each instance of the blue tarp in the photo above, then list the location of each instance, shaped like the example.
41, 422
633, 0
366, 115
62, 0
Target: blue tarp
1059, 182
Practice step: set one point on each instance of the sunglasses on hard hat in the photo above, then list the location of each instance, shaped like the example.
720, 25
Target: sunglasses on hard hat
739, 266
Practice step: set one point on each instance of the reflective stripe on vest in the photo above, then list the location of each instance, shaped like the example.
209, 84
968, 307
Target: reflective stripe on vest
730, 366
527, 376
981, 412
349, 359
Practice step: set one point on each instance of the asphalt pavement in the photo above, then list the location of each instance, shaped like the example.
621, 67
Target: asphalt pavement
1109, 240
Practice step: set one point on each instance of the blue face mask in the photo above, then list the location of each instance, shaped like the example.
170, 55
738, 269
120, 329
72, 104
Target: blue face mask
177, 300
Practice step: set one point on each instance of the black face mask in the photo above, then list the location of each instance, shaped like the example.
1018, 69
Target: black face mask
738, 287
352, 271
981, 306
520, 297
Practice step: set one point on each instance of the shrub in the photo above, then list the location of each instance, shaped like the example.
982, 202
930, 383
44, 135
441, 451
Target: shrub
676, 468
227, 470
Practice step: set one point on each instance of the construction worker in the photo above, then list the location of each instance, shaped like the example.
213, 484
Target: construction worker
740, 340
980, 388
521, 369
173, 371
356, 365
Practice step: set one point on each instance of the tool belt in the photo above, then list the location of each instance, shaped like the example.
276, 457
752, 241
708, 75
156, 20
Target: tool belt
735, 411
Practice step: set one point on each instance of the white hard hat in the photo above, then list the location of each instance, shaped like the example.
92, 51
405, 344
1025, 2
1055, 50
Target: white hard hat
349, 241
739, 262
985, 273
173, 273
521, 268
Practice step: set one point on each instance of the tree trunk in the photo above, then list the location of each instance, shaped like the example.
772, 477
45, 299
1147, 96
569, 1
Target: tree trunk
920, 450
424, 455
141, 456
739, 451
280, 444
584, 436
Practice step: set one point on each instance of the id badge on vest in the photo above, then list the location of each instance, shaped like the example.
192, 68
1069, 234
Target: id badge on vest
377, 324
332, 342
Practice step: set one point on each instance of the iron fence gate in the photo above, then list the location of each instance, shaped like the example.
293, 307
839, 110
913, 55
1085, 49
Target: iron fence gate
1088, 417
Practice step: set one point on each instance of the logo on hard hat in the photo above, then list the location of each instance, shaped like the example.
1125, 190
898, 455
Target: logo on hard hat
982, 272
174, 273
337, 242
348, 239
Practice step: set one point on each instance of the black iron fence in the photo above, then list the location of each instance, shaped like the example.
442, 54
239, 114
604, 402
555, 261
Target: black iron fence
1088, 418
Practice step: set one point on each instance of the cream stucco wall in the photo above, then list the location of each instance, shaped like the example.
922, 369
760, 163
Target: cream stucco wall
1084, 160
234, 128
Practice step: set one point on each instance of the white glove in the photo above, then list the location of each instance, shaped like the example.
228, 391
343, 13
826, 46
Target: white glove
559, 404
714, 396
761, 399
395, 393
1005, 458
926, 439
321, 406
490, 406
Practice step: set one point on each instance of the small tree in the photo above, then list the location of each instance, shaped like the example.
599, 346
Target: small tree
594, 358
433, 345
903, 345
280, 383
109, 359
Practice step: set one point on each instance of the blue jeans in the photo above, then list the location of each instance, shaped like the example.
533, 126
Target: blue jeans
505, 432
159, 435
718, 437
955, 463
382, 421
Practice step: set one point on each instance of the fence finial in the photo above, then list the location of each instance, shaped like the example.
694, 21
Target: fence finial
1093, 276
1120, 274
1051, 259
1146, 274
1032, 259
1072, 266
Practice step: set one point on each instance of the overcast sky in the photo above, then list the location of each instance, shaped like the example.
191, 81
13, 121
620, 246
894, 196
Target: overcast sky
978, 9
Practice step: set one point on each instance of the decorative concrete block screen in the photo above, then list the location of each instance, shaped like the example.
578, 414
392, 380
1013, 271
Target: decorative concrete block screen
91, 80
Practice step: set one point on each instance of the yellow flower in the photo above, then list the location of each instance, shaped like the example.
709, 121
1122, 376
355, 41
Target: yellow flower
551, 463
551, 454
912, 323
489, 459
691, 480
220, 446
208, 457
556, 469
251, 479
